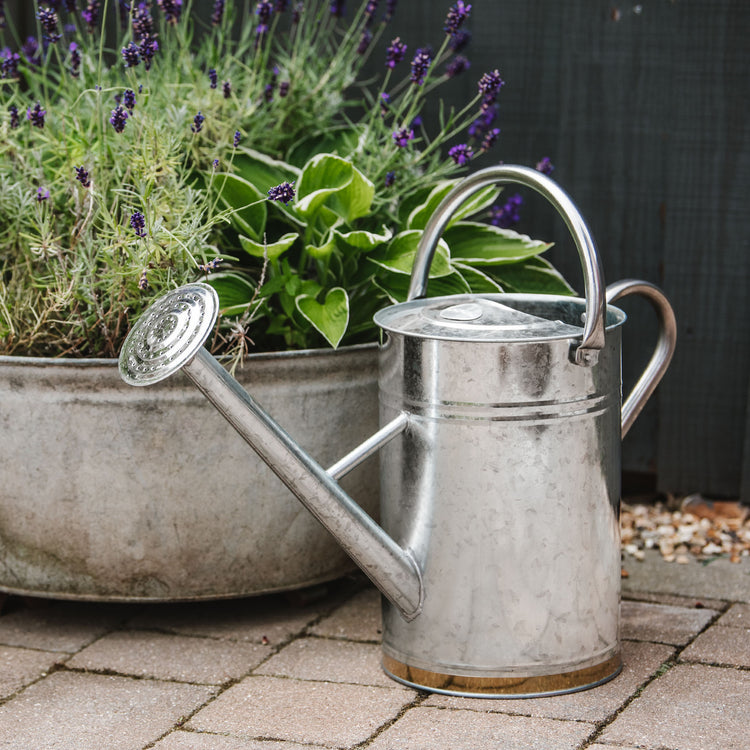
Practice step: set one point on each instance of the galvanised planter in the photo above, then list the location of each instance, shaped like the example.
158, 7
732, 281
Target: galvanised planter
114, 493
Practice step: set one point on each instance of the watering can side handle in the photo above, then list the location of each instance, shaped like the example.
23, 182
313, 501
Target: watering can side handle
663, 351
593, 331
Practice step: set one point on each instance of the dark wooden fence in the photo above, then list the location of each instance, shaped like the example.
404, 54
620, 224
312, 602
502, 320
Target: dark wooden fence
643, 108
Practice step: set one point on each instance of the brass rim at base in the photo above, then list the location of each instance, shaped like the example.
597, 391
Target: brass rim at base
503, 687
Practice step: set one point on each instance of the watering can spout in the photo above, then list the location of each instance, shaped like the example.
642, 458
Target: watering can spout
170, 336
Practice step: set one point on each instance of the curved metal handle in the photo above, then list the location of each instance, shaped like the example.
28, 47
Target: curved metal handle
593, 330
663, 351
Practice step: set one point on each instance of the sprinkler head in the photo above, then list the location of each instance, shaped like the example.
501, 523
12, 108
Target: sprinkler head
169, 334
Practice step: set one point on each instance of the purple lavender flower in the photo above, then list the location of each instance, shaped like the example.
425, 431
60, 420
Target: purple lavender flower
459, 40
197, 125
482, 123
30, 48
218, 13
90, 14
82, 175
545, 166
459, 64
149, 47
417, 122
280, 6
128, 99
395, 53
507, 215
138, 223
268, 90
213, 77
283, 192
41, 195
143, 23
130, 55
237, 137
226, 89
215, 163
489, 139
420, 65
338, 8
171, 9
143, 280
48, 21
35, 115
3, 22
402, 137
390, 178
457, 14
364, 41
13, 110
119, 118
390, 9
461, 154
9, 64
297, 13
75, 60
370, 10
489, 86
263, 10
70, 5
283, 89
211, 265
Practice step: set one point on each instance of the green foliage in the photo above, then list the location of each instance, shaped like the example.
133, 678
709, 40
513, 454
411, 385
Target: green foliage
287, 107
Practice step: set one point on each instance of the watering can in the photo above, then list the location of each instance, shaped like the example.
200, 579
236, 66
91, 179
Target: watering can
498, 546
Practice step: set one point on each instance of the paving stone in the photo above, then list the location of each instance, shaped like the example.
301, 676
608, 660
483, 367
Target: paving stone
74, 711
720, 645
329, 660
305, 712
737, 616
21, 666
661, 623
170, 657
201, 741
597, 746
691, 707
640, 661
359, 619
60, 626
424, 728
688, 602
718, 579
267, 619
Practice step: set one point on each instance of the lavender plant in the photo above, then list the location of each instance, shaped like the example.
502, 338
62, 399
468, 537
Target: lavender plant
139, 151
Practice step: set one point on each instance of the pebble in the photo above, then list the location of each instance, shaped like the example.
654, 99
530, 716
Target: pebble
682, 536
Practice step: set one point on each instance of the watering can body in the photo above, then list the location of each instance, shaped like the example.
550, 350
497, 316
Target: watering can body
506, 488
498, 550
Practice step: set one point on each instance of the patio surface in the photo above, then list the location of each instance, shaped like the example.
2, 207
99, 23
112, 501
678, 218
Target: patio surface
288, 672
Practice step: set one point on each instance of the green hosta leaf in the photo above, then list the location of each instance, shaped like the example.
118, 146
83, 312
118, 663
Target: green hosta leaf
362, 240
396, 286
272, 249
323, 251
483, 244
330, 318
421, 214
235, 291
261, 170
534, 275
248, 205
335, 182
478, 281
401, 251
339, 141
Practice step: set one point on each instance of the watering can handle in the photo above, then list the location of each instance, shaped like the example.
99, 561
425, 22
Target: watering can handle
593, 330
663, 351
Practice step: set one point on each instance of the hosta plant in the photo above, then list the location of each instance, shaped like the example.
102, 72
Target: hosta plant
142, 148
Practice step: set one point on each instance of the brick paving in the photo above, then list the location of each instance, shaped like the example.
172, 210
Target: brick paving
301, 672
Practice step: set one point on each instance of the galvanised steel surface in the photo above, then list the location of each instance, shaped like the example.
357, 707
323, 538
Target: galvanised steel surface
499, 554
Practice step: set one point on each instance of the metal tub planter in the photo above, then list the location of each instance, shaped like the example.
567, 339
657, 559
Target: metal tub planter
115, 493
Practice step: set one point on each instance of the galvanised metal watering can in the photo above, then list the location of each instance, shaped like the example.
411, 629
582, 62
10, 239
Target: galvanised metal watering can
498, 555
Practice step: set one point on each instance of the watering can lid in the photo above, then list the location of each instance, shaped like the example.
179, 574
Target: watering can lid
473, 318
